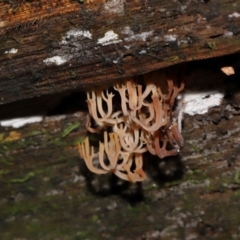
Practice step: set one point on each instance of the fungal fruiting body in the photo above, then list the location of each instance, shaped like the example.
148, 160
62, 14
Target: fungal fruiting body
143, 121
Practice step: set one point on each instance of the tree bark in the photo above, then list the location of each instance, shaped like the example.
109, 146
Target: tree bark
53, 46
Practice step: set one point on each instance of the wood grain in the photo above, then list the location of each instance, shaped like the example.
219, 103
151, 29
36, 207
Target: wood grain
143, 36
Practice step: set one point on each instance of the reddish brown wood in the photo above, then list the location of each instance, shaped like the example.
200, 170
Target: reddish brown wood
149, 35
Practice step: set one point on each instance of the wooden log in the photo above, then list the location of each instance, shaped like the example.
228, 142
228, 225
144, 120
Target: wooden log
53, 46
47, 192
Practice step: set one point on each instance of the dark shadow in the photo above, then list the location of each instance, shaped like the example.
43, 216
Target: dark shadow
161, 171
164, 170
109, 185
60, 103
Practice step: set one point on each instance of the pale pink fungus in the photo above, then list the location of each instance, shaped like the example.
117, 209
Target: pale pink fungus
142, 122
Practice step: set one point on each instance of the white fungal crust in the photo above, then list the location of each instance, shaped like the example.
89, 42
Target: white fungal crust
142, 122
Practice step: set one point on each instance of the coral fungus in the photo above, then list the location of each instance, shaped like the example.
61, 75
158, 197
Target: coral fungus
143, 121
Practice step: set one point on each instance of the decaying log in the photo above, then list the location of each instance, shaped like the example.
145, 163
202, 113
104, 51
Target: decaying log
53, 46
47, 193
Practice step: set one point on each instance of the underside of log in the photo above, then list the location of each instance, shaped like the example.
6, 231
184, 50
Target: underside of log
52, 46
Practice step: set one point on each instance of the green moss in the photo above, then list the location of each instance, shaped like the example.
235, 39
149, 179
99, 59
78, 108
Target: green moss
57, 142
3, 148
94, 218
196, 174
151, 186
69, 129
74, 73
34, 133
212, 46
173, 183
6, 161
236, 196
3, 172
84, 234
172, 59
236, 176
24, 179
194, 147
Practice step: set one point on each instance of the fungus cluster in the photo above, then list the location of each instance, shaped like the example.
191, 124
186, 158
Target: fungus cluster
140, 118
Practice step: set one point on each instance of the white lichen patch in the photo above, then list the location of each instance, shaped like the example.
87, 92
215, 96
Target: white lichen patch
143, 51
11, 51
189, 184
141, 36
135, 37
110, 37
115, 61
19, 122
199, 103
228, 34
170, 37
127, 31
127, 47
114, 7
58, 60
182, 41
54, 192
55, 118
234, 15
76, 33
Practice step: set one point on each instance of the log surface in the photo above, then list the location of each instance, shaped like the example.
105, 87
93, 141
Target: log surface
53, 46
47, 192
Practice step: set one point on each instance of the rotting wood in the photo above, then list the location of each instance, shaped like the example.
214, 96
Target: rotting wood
46, 193
142, 36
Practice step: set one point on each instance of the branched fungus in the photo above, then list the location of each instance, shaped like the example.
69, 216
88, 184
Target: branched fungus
143, 121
